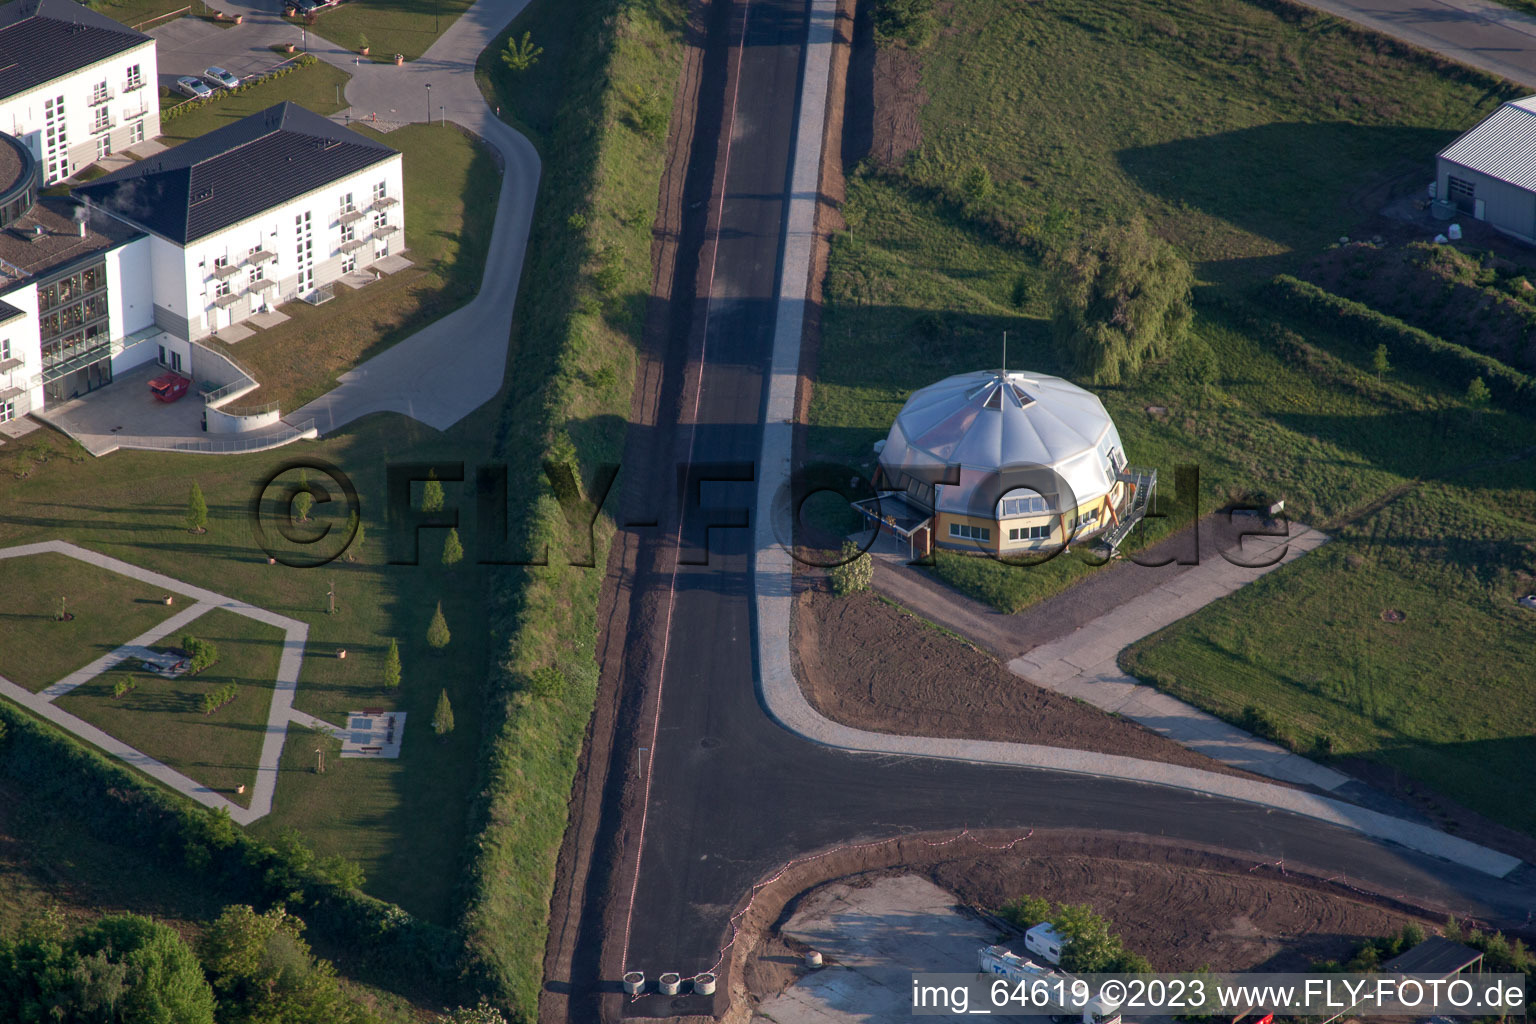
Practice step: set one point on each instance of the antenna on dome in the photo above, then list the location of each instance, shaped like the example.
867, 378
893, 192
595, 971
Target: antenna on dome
1005, 355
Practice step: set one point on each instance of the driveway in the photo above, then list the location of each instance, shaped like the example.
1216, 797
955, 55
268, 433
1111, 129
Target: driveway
448, 369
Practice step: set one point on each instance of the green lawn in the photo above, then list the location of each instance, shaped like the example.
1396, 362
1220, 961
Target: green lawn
318, 86
1445, 695
134, 13
451, 190
130, 505
37, 650
1247, 133
164, 718
390, 26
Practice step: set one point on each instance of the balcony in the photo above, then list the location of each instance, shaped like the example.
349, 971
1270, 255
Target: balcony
351, 217
6, 394
264, 284
354, 244
7, 365
225, 301
261, 256
134, 115
225, 272
385, 231
133, 85
98, 98
103, 125
385, 203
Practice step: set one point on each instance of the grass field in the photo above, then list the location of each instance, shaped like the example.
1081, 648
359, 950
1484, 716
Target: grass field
318, 86
141, 12
130, 505
163, 717
396, 26
451, 190
1251, 135
37, 650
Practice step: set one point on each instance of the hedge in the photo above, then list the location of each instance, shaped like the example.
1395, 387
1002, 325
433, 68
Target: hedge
1409, 346
219, 95
59, 772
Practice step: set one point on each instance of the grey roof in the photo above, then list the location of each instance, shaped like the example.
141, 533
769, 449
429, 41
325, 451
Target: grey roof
234, 173
978, 421
1503, 146
9, 312
1439, 956
42, 40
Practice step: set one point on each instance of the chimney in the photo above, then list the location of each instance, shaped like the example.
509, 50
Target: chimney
80, 226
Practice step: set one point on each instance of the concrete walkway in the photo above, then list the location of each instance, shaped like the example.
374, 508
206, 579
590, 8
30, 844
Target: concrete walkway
773, 567
1084, 664
448, 369
278, 715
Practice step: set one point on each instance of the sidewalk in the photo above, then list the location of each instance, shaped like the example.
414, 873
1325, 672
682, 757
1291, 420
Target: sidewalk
773, 566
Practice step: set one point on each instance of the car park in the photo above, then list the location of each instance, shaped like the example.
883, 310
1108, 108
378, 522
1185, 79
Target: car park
192, 87
218, 78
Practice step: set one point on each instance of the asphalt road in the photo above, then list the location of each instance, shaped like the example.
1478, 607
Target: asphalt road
731, 796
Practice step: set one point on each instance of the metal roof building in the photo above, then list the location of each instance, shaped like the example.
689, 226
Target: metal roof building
1003, 462
1490, 172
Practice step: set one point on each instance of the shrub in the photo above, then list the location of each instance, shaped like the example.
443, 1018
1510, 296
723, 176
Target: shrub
453, 550
1122, 299
909, 20
547, 681
442, 715
1409, 345
197, 510
122, 687
200, 653
215, 699
856, 572
392, 665
437, 631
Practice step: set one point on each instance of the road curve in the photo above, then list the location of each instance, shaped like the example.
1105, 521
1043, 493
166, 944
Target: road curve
723, 794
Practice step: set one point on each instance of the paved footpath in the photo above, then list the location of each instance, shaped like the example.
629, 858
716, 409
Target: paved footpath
278, 716
451, 367
773, 566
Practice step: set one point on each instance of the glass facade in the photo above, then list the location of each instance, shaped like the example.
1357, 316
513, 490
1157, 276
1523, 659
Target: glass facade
72, 315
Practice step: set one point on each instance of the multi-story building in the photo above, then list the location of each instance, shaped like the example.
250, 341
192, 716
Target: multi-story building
271, 208
75, 85
74, 293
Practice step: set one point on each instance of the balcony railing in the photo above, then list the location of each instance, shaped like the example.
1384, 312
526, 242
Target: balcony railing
385, 231
353, 244
261, 256
385, 202
7, 365
351, 217
263, 284
228, 299
134, 115
102, 125
225, 271
98, 98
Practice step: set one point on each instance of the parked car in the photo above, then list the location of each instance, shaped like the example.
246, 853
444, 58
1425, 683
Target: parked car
169, 386
303, 7
219, 78
189, 86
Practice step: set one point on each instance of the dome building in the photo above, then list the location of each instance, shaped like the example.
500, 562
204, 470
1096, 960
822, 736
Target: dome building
1005, 462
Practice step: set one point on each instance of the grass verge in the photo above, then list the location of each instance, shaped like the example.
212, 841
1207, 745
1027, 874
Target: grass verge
409, 27
584, 294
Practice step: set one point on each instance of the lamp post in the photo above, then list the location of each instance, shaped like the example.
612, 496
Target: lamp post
429, 103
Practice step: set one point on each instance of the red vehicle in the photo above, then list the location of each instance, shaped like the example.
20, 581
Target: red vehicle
169, 386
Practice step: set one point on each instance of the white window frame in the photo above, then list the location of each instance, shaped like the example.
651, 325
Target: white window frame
7, 410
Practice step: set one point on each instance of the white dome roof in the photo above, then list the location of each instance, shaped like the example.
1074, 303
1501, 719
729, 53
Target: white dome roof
982, 422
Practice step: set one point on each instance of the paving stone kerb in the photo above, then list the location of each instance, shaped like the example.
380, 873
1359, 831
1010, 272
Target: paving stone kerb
773, 565
278, 714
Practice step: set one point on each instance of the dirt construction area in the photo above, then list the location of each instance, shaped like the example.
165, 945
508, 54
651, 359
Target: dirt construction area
865, 662
1181, 909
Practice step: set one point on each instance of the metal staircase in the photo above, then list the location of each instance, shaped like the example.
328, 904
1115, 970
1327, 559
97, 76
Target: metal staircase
1143, 484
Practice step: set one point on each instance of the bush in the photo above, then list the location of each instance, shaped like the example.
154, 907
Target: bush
1089, 947
200, 653
1122, 299
122, 687
186, 107
856, 572
909, 20
547, 681
215, 699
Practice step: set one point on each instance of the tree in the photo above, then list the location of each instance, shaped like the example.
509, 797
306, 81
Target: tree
356, 531
442, 715
521, 54
165, 982
197, 510
856, 572
1122, 299
453, 551
262, 970
432, 493
1477, 393
392, 665
437, 633
303, 501
485, 1013
1379, 361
